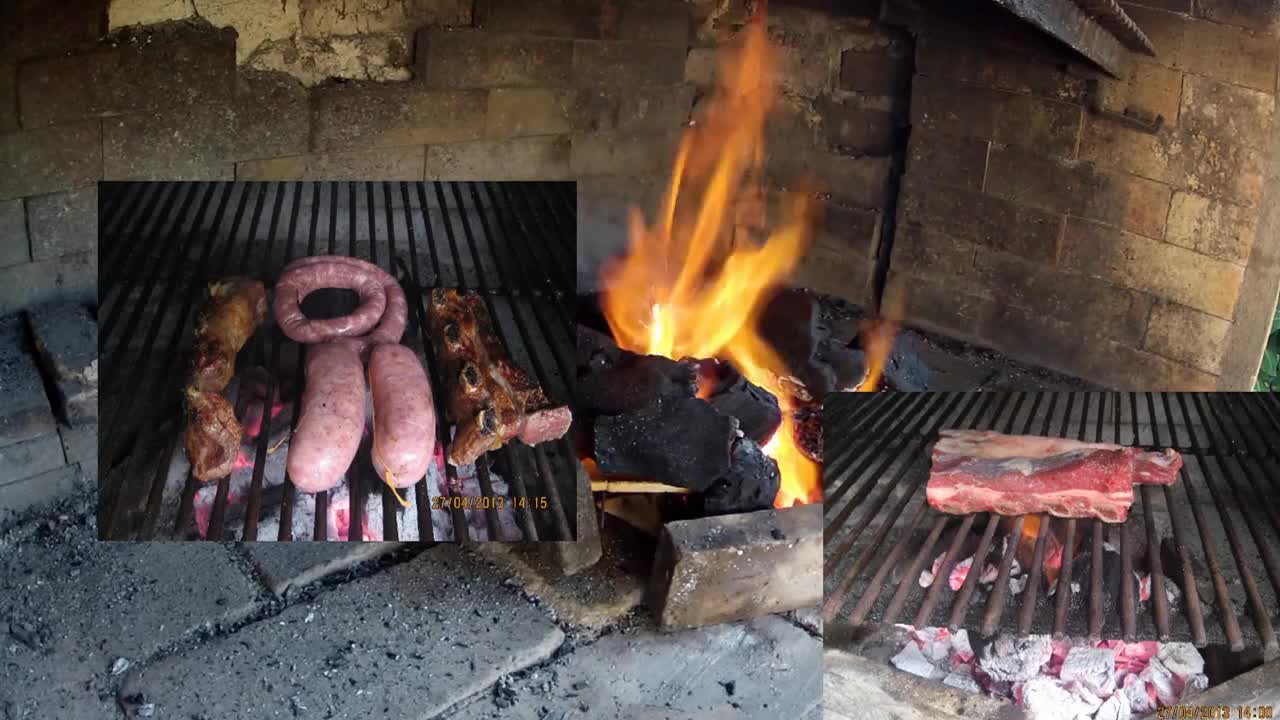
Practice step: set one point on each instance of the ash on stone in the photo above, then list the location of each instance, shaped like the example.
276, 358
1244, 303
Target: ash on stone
683, 442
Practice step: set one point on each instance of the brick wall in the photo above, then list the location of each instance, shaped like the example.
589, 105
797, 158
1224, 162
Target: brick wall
1030, 224
595, 90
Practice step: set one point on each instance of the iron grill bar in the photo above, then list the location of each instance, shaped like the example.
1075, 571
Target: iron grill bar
266, 346
831, 499
1226, 446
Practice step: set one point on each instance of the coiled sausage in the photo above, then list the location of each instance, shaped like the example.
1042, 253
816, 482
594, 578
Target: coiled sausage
381, 317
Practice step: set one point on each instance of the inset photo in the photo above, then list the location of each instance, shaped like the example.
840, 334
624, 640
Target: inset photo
336, 361
1108, 552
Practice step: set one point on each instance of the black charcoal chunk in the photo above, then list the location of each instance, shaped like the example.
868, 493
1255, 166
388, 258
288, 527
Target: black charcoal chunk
751, 483
683, 442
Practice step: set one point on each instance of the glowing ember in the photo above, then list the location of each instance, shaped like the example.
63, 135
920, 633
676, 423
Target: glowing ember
687, 287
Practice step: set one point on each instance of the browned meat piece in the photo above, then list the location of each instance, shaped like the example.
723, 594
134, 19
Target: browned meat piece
235, 309
213, 435
490, 398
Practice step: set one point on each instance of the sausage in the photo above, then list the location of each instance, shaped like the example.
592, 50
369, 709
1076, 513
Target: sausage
383, 312
331, 422
404, 418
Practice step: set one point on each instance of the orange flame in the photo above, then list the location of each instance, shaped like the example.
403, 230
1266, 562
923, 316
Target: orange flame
877, 338
687, 287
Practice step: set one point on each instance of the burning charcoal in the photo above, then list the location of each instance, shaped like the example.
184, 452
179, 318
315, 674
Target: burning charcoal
683, 442
611, 382
912, 660
1161, 678
752, 482
1094, 668
595, 347
809, 432
792, 325
755, 408
1015, 658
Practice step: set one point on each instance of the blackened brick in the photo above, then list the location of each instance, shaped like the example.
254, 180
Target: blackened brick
36, 162
8, 98
617, 152
31, 457
478, 59
25, 413
943, 106
981, 219
35, 28
14, 246
1259, 15
658, 21
272, 116
1221, 52
858, 181
1115, 312
948, 160
164, 69
528, 158
873, 73
851, 128
925, 252
375, 115
1130, 202
67, 277
1164, 270
517, 112
1187, 336
625, 64
403, 163
66, 337
170, 146
940, 306
63, 223
554, 18
639, 109
957, 57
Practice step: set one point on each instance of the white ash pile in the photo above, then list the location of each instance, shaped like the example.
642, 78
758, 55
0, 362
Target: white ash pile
1052, 679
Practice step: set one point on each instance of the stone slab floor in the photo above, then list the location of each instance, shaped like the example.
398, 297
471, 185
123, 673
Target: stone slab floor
210, 631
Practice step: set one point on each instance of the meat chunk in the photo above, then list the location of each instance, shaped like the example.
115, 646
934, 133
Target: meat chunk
982, 471
490, 398
233, 311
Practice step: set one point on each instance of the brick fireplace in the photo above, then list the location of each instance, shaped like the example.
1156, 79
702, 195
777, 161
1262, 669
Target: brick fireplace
986, 172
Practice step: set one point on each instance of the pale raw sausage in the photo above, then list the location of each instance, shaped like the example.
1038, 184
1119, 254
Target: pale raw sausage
404, 417
331, 422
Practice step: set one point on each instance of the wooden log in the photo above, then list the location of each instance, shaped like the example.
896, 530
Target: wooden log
732, 567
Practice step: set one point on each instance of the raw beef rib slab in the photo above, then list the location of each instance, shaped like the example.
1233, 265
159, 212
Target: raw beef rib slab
982, 471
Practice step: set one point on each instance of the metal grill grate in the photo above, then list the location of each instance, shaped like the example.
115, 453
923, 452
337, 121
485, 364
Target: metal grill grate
160, 243
1222, 512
